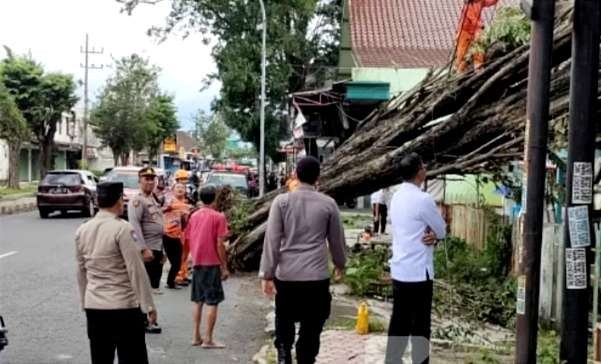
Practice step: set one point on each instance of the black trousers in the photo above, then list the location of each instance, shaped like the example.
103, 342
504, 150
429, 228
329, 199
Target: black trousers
173, 248
307, 303
120, 330
411, 317
154, 268
380, 223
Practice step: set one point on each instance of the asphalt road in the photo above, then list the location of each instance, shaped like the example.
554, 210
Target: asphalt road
40, 305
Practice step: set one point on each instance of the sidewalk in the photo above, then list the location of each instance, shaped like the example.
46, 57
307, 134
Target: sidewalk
13, 205
339, 347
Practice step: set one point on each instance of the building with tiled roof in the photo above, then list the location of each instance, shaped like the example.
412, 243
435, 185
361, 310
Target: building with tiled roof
409, 36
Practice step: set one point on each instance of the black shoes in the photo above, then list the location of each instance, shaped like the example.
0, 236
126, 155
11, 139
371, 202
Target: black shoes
284, 356
154, 329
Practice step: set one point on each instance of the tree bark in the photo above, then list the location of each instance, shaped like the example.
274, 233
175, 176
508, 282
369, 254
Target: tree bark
46, 156
14, 157
124, 158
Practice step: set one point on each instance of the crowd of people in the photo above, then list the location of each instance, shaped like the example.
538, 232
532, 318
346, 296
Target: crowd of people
121, 263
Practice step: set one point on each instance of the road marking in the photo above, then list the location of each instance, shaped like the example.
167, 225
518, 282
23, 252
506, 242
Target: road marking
8, 254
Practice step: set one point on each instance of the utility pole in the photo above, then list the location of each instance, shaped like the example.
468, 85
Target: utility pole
542, 13
262, 112
578, 232
86, 66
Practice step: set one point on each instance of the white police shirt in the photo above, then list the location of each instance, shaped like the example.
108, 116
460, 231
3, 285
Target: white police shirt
412, 211
376, 197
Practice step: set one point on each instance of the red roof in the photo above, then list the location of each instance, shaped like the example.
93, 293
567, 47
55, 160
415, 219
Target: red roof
406, 33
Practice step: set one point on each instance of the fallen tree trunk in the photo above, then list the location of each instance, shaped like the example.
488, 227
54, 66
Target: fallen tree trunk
463, 123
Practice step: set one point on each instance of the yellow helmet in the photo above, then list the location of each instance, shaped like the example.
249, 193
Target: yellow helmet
181, 174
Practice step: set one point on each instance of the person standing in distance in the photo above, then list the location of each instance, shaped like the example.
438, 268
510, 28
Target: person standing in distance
114, 287
416, 227
145, 215
302, 226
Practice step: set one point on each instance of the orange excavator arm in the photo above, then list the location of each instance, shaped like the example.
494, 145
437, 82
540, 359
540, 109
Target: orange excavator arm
470, 26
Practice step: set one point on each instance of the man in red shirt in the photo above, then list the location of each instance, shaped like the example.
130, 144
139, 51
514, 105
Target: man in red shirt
206, 232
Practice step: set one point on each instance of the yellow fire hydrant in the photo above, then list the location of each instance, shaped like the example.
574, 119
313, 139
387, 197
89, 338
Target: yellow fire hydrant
362, 326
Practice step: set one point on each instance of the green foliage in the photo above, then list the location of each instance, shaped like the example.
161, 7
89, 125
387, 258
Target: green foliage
302, 44
41, 97
511, 26
238, 216
548, 347
242, 153
479, 278
131, 112
162, 120
376, 325
510, 29
366, 269
211, 133
356, 221
13, 127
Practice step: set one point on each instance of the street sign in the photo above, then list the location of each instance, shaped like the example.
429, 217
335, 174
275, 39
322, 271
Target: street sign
169, 145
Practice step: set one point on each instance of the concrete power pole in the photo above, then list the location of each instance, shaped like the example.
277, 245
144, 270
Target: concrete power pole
262, 112
579, 236
539, 80
86, 66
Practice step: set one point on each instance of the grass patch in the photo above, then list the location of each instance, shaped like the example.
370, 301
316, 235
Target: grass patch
23, 191
548, 347
356, 221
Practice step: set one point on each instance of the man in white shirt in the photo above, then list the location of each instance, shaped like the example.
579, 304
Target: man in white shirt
416, 227
376, 200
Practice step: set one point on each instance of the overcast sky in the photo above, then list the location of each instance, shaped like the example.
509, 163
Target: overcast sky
54, 30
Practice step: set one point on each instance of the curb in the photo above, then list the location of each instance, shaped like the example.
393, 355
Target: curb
18, 207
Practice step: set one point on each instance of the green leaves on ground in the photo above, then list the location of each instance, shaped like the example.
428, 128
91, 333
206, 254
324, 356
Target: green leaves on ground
479, 281
365, 272
470, 283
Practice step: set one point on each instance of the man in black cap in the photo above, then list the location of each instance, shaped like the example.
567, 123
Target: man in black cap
113, 283
302, 226
146, 216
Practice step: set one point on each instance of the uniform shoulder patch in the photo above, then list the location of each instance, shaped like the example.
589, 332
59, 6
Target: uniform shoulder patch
134, 236
136, 203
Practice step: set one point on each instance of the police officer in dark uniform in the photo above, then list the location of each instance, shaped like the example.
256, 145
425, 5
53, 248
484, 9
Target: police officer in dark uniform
114, 287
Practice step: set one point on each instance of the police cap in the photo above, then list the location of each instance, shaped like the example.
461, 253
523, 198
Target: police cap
147, 171
109, 193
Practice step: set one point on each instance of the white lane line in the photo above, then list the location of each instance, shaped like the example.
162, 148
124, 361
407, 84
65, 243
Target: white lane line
8, 254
